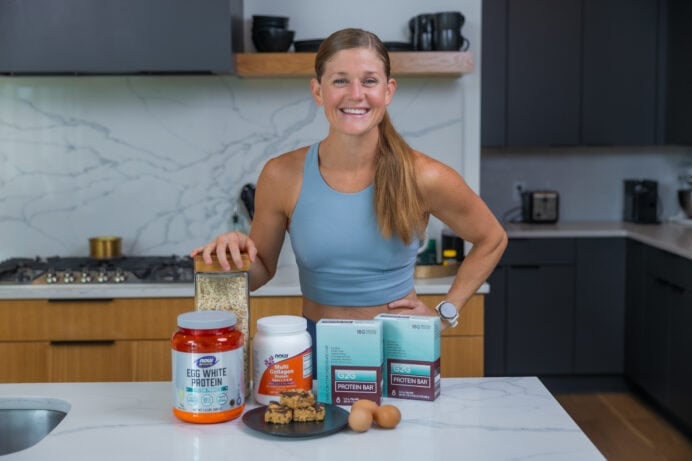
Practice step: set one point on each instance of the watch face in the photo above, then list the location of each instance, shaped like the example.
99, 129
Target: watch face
448, 311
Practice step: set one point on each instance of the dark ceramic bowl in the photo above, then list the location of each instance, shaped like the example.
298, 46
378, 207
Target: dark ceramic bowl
272, 39
269, 21
307, 46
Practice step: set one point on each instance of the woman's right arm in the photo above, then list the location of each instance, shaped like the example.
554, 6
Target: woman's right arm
267, 232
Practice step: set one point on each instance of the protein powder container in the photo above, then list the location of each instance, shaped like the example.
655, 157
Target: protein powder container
208, 369
281, 357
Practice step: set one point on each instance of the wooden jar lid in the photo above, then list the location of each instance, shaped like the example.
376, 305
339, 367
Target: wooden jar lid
201, 266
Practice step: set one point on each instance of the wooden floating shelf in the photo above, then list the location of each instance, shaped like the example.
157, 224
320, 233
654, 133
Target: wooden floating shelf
404, 64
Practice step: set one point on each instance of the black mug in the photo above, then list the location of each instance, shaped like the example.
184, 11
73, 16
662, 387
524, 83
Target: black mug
449, 20
447, 32
422, 27
449, 40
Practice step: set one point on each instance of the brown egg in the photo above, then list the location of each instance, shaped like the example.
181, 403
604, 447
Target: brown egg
366, 405
387, 416
360, 419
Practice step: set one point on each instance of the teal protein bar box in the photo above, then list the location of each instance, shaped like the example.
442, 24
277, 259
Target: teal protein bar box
411, 356
349, 361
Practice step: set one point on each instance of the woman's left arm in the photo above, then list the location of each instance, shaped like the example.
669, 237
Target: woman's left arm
447, 197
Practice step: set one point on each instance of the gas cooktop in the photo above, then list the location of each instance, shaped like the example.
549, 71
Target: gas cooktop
85, 270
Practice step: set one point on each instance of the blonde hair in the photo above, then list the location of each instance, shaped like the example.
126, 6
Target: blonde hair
398, 202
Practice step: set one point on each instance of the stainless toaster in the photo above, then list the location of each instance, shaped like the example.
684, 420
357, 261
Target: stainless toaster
540, 206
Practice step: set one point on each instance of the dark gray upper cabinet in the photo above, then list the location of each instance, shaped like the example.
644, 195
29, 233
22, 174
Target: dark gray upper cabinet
586, 72
543, 72
619, 72
118, 36
494, 73
676, 121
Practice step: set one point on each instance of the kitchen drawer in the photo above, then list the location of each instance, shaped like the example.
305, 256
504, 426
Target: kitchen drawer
88, 361
85, 361
539, 251
24, 362
92, 319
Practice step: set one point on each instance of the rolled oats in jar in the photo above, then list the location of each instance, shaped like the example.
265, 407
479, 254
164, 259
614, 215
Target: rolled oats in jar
219, 290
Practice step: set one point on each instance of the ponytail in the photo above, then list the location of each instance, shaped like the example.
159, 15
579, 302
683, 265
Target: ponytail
398, 203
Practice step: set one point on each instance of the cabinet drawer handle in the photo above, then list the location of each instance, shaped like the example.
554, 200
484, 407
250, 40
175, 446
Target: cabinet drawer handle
80, 300
669, 284
84, 342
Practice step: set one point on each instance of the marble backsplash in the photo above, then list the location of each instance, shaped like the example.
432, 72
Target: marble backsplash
160, 161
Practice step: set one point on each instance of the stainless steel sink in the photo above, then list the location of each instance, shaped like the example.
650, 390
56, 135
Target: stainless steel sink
25, 421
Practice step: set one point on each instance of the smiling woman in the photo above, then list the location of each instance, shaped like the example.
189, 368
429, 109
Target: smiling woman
357, 203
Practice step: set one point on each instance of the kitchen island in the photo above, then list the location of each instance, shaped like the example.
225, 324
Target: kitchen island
474, 418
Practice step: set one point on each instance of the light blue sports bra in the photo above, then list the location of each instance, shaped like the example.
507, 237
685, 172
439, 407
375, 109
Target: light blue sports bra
342, 257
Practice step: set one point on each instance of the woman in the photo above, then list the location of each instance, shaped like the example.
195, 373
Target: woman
356, 204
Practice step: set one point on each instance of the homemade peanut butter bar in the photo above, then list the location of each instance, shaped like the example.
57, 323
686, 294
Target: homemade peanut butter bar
277, 414
311, 413
297, 398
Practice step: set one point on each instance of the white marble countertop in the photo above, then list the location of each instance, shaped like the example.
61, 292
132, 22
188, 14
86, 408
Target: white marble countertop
474, 418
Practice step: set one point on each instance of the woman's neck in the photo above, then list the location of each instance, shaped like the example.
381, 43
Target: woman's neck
347, 164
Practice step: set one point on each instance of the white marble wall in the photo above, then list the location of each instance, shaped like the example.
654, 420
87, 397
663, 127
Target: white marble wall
160, 161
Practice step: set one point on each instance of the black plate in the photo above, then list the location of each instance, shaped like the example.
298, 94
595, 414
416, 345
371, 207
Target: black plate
335, 419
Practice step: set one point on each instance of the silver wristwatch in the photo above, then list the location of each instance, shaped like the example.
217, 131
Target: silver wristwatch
448, 312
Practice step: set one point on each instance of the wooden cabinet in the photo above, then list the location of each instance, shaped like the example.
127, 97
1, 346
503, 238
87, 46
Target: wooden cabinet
79, 340
574, 72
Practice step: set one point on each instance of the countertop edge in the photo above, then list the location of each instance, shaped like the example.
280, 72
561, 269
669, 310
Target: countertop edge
279, 287
669, 236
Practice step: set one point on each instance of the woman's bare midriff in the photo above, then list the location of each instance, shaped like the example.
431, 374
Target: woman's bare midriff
315, 311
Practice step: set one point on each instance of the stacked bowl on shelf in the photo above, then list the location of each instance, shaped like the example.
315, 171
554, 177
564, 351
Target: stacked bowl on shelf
271, 34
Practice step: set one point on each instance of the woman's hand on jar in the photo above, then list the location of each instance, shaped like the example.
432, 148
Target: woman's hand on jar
233, 243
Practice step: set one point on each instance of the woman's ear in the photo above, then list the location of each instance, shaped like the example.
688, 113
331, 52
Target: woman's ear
316, 90
391, 89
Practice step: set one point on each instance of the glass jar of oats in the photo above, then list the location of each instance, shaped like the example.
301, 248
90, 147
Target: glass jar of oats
220, 290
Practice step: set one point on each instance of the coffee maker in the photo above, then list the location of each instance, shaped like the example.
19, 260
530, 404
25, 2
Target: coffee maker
641, 201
